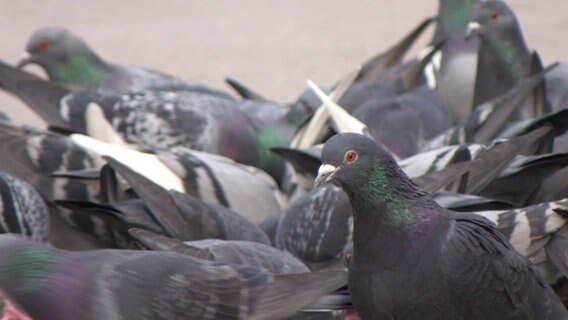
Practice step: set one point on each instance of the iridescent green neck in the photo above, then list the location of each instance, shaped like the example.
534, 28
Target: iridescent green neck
30, 264
390, 192
80, 69
268, 138
390, 214
454, 15
511, 55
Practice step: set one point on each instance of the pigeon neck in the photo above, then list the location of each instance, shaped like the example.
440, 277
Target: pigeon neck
80, 69
454, 16
511, 50
390, 211
271, 137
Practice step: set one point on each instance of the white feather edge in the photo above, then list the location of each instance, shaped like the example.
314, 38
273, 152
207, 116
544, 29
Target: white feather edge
341, 118
308, 135
145, 164
433, 67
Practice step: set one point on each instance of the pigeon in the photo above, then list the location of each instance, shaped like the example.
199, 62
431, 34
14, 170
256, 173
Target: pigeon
153, 120
48, 283
22, 210
252, 254
457, 59
414, 259
317, 226
69, 61
504, 57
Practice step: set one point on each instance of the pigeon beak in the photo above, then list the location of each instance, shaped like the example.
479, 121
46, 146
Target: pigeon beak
325, 174
472, 29
24, 60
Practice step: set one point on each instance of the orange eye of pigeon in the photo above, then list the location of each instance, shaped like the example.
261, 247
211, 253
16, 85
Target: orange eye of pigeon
351, 156
43, 45
494, 15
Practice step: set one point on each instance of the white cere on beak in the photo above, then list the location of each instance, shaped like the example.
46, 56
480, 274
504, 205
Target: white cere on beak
472, 27
326, 169
325, 173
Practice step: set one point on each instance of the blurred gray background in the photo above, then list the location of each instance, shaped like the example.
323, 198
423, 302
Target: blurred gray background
271, 45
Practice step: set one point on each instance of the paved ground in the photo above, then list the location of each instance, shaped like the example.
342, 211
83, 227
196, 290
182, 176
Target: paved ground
271, 45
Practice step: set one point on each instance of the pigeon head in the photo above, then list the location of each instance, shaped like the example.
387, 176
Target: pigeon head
63, 55
488, 17
347, 157
367, 172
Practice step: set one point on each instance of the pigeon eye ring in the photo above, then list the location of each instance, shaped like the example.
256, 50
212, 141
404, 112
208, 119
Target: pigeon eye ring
350, 156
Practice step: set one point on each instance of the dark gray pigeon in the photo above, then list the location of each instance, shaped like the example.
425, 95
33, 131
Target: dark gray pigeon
22, 210
47, 283
504, 57
69, 61
317, 226
409, 251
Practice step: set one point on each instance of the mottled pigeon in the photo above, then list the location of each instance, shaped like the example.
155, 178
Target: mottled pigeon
154, 120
